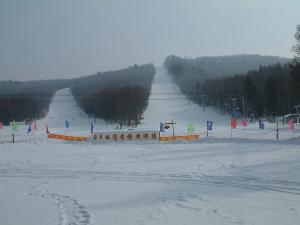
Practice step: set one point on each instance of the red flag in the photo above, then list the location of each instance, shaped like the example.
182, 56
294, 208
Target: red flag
1, 125
291, 124
233, 123
244, 122
35, 125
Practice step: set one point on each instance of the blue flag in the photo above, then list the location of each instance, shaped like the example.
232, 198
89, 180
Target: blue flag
261, 124
67, 124
29, 129
161, 127
209, 125
92, 128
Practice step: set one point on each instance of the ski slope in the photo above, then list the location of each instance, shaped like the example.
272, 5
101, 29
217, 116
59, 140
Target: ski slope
167, 103
247, 179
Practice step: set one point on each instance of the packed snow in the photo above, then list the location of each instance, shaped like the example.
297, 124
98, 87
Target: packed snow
249, 178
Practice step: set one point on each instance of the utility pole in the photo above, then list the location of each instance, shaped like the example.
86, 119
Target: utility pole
173, 128
203, 102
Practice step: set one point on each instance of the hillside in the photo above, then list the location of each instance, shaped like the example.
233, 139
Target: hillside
30, 100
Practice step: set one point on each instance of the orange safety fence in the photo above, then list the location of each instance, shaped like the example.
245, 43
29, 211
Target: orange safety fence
193, 137
67, 138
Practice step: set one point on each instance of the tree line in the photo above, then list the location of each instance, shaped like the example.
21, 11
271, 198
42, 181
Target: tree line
263, 90
268, 91
117, 96
28, 100
113, 95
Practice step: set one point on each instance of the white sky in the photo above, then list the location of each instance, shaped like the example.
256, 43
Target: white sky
42, 39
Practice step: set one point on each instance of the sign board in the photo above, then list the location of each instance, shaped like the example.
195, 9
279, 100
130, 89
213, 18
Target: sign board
125, 135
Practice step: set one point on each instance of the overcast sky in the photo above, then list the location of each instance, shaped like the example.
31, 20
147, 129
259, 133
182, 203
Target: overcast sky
43, 39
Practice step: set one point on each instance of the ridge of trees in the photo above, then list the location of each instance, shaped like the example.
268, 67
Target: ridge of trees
119, 96
265, 89
30, 100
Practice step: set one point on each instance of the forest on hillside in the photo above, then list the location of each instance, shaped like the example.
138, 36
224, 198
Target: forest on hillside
266, 88
116, 96
269, 91
28, 100
113, 95
186, 71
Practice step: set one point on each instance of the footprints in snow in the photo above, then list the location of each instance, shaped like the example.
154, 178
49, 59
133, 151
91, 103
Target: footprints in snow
71, 212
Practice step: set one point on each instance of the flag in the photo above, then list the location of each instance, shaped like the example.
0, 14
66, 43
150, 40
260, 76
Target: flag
35, 125
92, 128
238, 114
291, 124
14, 126
191, 128
244, 122
261, 124
47, 129
209, 125
1, 125
233, 123
29, 129
161, 127
67, 124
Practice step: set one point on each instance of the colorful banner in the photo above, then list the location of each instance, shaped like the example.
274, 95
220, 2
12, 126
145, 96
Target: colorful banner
161, 127
233, 123
14, 126
29, 129
191, 128
291, 124
92, 128
47, 129
209, 125
67, 124
194, 137
126, 135
244, 122
35, 127
67, 138
261, 124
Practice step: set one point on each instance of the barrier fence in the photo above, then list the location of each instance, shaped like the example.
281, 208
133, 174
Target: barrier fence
193, 137
67, 137
128, 135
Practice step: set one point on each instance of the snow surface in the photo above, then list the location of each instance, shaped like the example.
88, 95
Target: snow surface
250, 178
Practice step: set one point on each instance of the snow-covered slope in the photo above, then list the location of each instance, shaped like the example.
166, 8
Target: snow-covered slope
64, 107
167, 103
250, 179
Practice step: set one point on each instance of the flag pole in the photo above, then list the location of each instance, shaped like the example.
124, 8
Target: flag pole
173, 128
159, 132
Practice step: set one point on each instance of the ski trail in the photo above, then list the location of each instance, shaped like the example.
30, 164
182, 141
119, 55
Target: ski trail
64, 107
166, 103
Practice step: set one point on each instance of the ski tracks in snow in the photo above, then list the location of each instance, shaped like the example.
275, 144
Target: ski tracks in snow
71, 212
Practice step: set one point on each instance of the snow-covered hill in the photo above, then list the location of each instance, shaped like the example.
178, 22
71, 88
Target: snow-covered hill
250, 179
